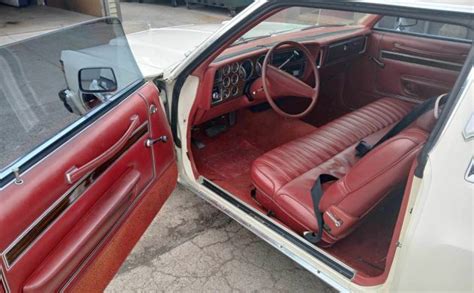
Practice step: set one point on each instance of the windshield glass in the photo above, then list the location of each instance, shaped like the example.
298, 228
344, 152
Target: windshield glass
301, 18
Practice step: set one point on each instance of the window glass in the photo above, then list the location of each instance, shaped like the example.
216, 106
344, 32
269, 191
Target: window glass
424, 27
39, 82
300, 18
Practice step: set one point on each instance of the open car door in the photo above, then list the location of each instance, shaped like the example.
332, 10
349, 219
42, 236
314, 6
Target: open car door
74, 204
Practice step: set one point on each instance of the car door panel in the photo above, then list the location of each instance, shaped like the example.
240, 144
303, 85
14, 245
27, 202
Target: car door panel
417, 67
52, 223
403, 66
82, 238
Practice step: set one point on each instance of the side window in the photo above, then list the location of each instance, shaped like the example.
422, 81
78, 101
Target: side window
424, 27
52, 81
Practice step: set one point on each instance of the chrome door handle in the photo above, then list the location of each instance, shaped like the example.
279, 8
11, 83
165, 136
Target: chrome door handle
150, 142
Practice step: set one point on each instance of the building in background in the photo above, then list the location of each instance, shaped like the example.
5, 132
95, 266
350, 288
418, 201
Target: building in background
96, 8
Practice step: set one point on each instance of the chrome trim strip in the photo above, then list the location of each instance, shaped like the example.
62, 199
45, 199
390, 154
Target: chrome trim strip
3, 280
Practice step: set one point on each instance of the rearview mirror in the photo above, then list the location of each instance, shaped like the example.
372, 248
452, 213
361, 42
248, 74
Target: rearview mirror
97, 80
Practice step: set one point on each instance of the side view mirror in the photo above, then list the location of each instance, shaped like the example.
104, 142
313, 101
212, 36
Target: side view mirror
97, 80
403, 23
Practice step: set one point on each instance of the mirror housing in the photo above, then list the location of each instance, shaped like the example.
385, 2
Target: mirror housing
97, 80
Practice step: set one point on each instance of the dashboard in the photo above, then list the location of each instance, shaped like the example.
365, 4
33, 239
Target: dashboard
232, 78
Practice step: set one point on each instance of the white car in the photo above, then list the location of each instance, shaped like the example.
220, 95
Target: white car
340, 132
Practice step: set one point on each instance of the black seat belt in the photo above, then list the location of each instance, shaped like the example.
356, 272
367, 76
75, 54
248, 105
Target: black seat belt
316, 195
363, 147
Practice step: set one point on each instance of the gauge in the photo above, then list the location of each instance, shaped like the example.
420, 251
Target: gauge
258, 66
226, 81
235, 79
226, 70
235, 91
225, 94
235, 67
247, 69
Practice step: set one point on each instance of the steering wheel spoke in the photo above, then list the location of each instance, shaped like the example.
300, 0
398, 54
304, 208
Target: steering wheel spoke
283, 84
278, 83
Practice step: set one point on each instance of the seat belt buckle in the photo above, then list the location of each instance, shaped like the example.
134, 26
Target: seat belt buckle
362, 148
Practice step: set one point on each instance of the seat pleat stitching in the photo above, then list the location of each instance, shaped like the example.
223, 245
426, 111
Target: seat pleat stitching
318, 148
309, 148
295, 165
383, 120
331, 142
382, 115
403, 109
341, 139
392, 108
373, 127
368, 116
323, 148
387, 112
355, 129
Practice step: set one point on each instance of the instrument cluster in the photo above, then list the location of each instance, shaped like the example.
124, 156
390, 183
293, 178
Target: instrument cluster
232, 79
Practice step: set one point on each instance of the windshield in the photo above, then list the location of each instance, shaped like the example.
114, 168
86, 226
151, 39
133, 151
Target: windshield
301, 18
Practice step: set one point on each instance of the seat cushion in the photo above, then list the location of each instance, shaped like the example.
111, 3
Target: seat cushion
331, 144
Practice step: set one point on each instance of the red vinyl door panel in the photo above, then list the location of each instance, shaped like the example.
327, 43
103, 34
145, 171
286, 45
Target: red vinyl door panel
403, 66
75, 204
417, 67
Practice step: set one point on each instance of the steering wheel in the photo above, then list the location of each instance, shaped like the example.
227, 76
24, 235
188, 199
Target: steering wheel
278, 83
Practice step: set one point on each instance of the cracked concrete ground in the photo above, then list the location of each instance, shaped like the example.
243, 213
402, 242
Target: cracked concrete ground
193, 247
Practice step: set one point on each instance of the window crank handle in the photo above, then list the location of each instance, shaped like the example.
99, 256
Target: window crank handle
150, 142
